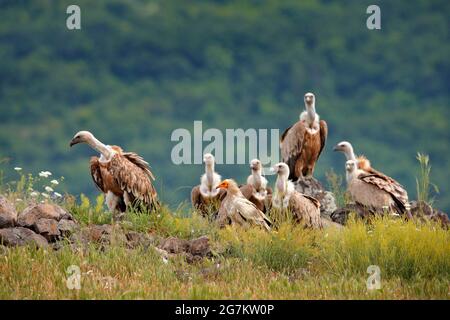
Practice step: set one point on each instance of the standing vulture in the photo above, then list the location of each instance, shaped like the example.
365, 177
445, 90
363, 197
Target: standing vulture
364, 165
235, 208
374, 191
205, 197
305, 208
124, 177
302, 143
256, 189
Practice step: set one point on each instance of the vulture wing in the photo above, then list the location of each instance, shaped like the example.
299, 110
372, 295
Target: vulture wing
389, 185
96, 174
323, 135
250, 213
134, 177
292, 144
306, 209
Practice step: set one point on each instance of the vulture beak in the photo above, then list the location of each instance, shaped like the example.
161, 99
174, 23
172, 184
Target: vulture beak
223, 185
336, 148
74, 141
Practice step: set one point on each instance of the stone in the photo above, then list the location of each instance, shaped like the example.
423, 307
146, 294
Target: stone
341, 215
312, 187
21, 236
174, 245
48, 228
8, 213
67, 227
136, 239
95, 233
199, 247
33, 213
422, 210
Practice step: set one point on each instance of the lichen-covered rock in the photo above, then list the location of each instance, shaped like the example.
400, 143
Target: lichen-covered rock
136, 239
21, 236
8, 214
312, 187
48, 228
199, 247
193, 250
33, 213
174, 245
341, 215
423, 210
67, 227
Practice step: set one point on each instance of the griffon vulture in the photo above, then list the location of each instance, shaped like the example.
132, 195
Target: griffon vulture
305, 208
302, 143
375, 191
235, 208
256, 189
364, 165
205, 197
124, 177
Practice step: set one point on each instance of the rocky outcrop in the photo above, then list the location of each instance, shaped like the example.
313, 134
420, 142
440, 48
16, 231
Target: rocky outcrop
194, 250
424, 211
33, 213
341, 215
8, 214
312, 187
21, 236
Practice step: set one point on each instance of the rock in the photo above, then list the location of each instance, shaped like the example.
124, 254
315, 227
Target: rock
423, 210
312, 187
328, 223
21, 236
8, 214
48, 228
95, 233
136, 239
44, 210
199, 247
67, 227
174, 245
341, 215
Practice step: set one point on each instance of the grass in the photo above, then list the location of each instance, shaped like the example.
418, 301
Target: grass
288, 263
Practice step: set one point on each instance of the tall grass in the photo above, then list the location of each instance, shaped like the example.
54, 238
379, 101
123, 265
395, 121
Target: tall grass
423, 184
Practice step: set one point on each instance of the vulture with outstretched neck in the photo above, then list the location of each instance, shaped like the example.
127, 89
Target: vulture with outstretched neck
302, 143
205, 197
256, 189
364, 165
236, 209
124, 177
375, 191
306, 209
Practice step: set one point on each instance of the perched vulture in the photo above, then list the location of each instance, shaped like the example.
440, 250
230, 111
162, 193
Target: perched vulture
205, 197
364, 165
375, 191
302, 143
305, 208
124, 177
256, 189
235, 208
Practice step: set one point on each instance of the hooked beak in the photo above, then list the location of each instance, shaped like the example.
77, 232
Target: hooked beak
336, 148
222, 185
74, 141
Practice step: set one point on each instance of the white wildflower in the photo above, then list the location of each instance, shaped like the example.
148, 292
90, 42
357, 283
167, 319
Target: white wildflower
34, 194
45, 174
45, 195
58, 195
18, 168
54, 182
19, 200
164, 259
48, 189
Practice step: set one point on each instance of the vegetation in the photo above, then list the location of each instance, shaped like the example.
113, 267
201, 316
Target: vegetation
137, 70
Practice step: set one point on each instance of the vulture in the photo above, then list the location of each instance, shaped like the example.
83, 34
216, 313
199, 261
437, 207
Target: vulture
364, 165
205, 197
302, 143
235, 208
124, 177
306, 209
374, 190
256, 189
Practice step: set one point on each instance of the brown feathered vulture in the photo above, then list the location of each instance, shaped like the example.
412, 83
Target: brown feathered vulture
374, 191
124, 177
306, 209
236, 209
302, 143
364, 165
256, 189
206, 197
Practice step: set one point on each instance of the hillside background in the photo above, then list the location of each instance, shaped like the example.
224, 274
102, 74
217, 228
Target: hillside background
140, 69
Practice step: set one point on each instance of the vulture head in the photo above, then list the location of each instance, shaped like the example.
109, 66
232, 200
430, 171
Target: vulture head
346, 148
82, 137
281, 169
351, 167
255, 165
309, 99
208, 159
230, 185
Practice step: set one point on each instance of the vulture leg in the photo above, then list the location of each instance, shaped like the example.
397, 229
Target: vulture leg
112, 202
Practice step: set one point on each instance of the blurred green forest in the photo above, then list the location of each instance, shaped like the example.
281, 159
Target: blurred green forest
137, 70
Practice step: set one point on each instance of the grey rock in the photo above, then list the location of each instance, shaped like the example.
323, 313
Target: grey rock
67, 227
424, 211
21, 236
174, 245
312, 187
33, 213
8, 213
48, 228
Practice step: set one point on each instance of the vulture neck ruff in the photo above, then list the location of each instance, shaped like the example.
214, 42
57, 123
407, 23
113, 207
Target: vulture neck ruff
106, 152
